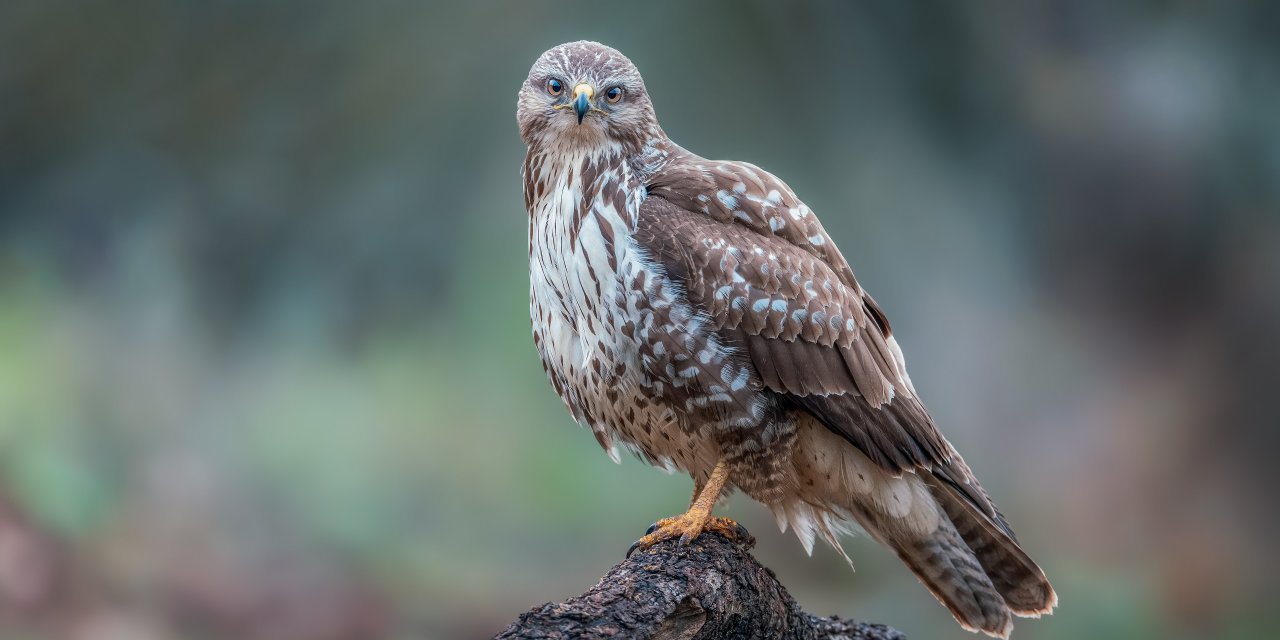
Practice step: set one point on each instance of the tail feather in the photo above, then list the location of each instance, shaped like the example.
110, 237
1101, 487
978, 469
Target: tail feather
970, 563
953, 574
1014, 574
939, 522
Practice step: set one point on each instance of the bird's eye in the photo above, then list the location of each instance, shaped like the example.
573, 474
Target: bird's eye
613, 95
555, 87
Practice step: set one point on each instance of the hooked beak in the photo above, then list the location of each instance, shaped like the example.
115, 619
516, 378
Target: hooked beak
582, 95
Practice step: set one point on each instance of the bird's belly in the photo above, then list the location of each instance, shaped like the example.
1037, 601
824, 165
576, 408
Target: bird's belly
590, 352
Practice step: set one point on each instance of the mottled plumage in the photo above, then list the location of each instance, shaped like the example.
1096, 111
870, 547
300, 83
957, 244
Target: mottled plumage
696, 312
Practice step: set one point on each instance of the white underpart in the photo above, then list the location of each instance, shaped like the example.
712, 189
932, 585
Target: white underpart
559, 278
563, 295
830, 506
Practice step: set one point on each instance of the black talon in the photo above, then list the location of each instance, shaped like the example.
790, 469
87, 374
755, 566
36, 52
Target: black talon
653, 527
742, 532
632, 549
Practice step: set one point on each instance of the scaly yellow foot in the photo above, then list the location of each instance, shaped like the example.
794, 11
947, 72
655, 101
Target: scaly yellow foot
688, 526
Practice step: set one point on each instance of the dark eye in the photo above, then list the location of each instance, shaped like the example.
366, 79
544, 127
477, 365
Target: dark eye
613, 94
555, 87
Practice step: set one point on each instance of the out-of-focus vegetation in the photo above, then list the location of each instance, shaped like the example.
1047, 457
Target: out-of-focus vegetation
264, 359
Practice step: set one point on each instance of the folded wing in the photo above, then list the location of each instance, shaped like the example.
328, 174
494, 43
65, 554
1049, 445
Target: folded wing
756, 261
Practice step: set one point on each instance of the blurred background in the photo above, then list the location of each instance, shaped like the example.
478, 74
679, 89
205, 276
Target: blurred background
265, 365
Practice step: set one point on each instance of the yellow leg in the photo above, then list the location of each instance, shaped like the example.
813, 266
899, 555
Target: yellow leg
690, 524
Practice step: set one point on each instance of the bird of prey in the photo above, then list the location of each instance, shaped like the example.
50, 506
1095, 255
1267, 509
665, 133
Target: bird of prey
695, 312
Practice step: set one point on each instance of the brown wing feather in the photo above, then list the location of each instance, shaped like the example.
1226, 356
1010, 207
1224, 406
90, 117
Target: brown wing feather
757, 262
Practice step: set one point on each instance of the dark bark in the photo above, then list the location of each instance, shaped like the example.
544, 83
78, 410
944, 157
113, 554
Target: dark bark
710, 589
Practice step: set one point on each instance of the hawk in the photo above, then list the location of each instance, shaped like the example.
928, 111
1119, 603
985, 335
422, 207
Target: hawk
695, 312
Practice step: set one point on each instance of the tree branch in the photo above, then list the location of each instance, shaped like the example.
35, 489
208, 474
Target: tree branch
712, 588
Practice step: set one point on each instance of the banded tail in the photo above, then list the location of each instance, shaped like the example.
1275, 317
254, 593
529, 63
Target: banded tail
973, 567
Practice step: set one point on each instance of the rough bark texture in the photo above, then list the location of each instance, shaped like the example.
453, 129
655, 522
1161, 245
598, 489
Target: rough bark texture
711, 589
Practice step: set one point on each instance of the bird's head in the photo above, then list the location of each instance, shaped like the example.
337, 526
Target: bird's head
585, 94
